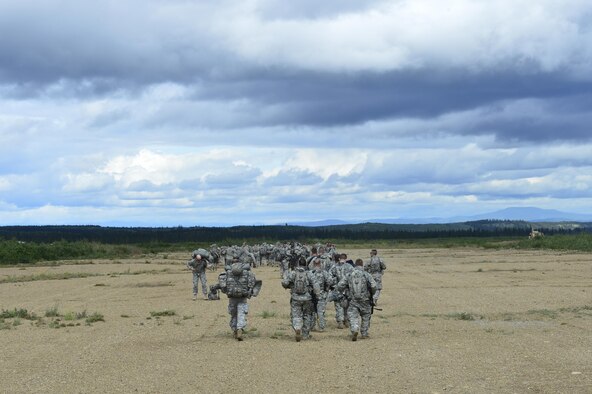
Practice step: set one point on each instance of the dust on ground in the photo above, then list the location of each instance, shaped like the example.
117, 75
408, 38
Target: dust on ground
453, 320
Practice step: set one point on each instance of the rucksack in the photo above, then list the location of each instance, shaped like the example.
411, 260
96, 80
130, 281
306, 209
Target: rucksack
300, 282
358, 286
237, 281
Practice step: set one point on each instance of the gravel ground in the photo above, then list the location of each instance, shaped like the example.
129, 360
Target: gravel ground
453, 320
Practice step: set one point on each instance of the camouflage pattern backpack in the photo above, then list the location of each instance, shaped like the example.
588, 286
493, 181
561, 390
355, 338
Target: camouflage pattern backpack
300, 282
358, 286
237, 281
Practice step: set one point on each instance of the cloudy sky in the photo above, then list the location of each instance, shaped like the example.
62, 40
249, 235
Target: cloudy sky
223, 112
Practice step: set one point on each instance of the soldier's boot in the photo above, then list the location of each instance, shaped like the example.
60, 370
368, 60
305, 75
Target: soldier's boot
346, 323
365, 336
354, 336
205, 297
340, 324
194, 297
239, 335
298, 335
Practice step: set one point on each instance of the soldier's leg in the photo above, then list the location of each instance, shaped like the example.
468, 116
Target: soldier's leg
321, 306
366, 314
354, 318
307, 311
378, 280
232, 311
204, 284
297, 314
339, 314
195, 281
242, 312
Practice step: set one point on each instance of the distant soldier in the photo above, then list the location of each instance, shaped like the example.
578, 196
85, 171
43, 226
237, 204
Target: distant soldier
325, 280
339, 271
375, 267
197, 265
360, 288
302, 285
239, 284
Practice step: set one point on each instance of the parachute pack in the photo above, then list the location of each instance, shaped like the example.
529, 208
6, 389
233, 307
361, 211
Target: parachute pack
358, 286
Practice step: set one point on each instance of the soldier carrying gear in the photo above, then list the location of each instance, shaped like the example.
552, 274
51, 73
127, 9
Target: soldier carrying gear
197, 265
239, 284
302, 285
361, 287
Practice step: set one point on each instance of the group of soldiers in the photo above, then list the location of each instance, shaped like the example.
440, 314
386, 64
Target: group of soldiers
315, 277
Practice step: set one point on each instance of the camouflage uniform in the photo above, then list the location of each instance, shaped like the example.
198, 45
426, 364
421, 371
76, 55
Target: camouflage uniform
301, 303
198, 267
338, 272
376, 267
359, 306
325, 281
238, 307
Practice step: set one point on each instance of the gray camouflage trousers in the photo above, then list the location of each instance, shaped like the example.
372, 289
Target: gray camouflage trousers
238, 310
357, 310
378, 279
321, 308
197, 277
301, 312
341, 307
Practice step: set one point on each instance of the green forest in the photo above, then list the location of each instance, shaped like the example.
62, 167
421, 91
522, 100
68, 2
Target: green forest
31, 244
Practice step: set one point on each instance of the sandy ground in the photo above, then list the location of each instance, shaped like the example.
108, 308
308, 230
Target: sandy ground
453, 320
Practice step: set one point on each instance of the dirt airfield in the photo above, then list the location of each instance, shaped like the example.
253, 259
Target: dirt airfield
453, 321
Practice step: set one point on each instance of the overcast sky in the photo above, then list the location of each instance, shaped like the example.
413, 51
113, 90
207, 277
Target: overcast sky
224, 112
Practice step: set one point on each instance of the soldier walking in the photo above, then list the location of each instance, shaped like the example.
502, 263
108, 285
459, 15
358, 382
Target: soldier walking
360, 288
339, 271
239, 284
302, 285
325, 281
375, 267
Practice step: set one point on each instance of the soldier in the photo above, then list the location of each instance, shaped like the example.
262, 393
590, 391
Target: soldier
301, 284
361, 287
197, 265
339, 271
325, 281
375, 267
239, 284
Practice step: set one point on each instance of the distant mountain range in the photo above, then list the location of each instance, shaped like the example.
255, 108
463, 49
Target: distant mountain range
529, 214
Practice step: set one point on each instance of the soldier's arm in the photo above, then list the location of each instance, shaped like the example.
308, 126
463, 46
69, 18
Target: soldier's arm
286, 281
382, 265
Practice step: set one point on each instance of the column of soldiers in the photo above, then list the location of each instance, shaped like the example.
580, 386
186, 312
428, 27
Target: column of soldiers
315, 278
353, 288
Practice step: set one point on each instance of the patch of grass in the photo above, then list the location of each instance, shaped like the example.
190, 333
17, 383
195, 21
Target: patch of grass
166, 312
20, 313
16, 322
267, 314
550, 314
52, 312
100, 284
277, 334
185, 317
95, 317
70, 316
462, 316
124, 316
